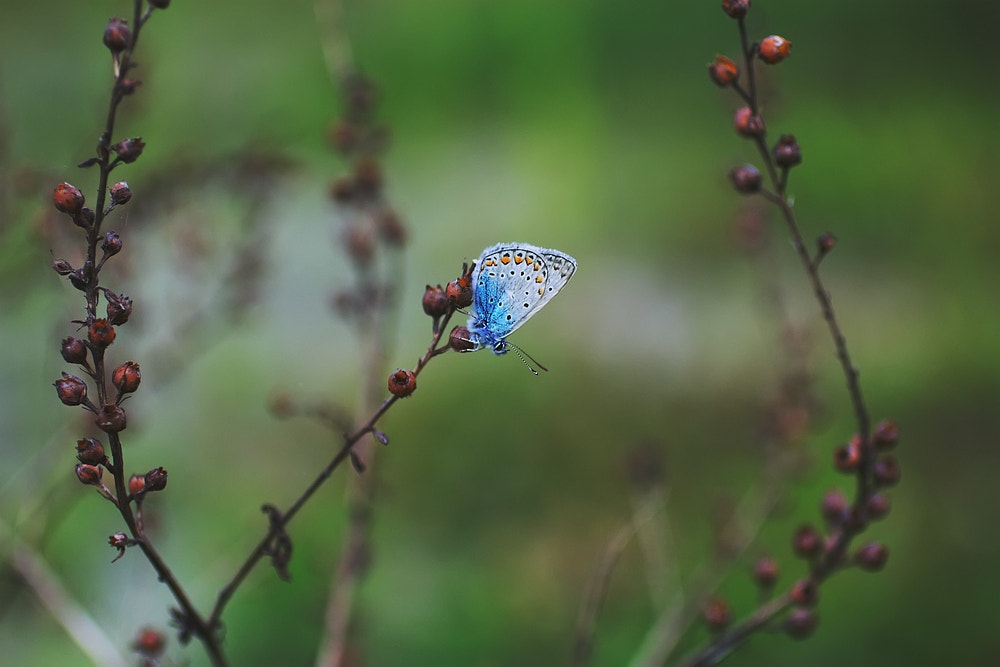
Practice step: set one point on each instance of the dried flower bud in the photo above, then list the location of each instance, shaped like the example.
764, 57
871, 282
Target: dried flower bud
787, 152
90, 451
747, 123
774, 49
807, 542
136, 484
78, 279
886, 435
746, 179
119, 307
119, 541
68, 198
390, 227
101, 333
156, 479
89, 474
717, 615
85, 218
74, 350
150, 643
402, 383
62, 267
111, 419
872, 557
459, 291
120, 193
460, 341
126, 377
805, 592
765, 572
825, 243
736, 9
887, 472
723, 71
368, 176
435, 301
847, 457
801, 622
359, 240
129, 150
878, 506
835, 507
117, 35
112, 244
71, 389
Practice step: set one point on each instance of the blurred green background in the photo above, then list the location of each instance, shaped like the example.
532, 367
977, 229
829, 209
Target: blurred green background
588, 127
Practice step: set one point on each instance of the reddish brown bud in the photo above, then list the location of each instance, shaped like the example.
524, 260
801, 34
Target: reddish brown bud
459, 340
136, 484
68, 198
747, 123
717, 615
801, 622
101, 333
78, 279
90, 451
74, 350
807, 542
359, 240
156, 479
402, 383
119, 307
723, 71
435, 301
459, 291
736, 9
89, 474
110, 419
85, 218
886, 435
390, 227
129, 150
150, 643
746, 179
120, 193
765, 572
126, 377
887, 472
117, 35
62, 267
878, 506
872, 557
368, 175
805, 592
112, 244
847, 457
71, 389
774, 49
835, 507
119, 541
825, 243
787, 152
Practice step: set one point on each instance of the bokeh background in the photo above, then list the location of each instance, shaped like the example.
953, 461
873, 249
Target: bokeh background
589, 127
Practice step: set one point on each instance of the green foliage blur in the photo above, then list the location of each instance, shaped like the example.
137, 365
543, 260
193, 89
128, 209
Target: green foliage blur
588, 127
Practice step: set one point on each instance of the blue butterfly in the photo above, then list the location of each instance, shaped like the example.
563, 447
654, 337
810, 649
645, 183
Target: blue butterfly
511, 282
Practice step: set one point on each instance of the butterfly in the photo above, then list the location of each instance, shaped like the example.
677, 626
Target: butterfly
511, 282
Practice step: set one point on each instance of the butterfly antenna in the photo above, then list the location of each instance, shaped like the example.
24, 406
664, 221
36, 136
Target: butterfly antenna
521, 354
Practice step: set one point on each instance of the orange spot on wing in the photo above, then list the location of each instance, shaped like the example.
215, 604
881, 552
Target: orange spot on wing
505, 259
518, 259
539, 279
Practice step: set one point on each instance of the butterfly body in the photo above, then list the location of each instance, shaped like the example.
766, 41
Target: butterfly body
511, 282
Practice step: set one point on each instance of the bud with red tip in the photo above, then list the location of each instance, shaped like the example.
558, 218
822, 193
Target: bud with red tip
774, 49
825, 243
746, 179
717, 615
120, 193
747, 123
150, 643
886, 435
136, 484
878, 506
117, 35
805, 592
787, 152
460, 341
89, 474
74, 350
101, 333
736, 9
90, 451
119, 307
129, 150
110, 419
872, 557
835, 507
126, 377
402, 383
459, 291
435, 301
847, 457
71, 389
68, 198
723, 71
801, 622
156, 479
807, 542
